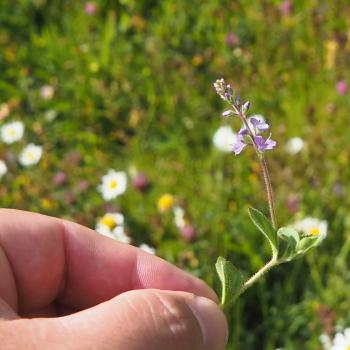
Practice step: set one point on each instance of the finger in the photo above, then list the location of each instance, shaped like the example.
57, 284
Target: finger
49, 259
138, 320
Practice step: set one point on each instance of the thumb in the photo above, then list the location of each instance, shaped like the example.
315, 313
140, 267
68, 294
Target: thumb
149, 319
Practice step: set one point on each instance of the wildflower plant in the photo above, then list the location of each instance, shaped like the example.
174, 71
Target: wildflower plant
285, 242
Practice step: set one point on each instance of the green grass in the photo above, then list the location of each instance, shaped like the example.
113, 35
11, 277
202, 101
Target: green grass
133, 87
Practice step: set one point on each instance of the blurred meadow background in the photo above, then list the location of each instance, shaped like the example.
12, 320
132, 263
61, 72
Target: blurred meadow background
127, 85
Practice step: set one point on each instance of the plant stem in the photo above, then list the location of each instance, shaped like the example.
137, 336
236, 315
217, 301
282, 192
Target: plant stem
273, 262
268, 186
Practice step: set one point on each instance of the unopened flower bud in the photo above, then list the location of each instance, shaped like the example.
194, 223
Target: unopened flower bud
141, 182
245, 107
227, 113
237, 101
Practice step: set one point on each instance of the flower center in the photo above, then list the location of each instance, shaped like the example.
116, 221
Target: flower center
108, 221
12, 132
31, 156
315, 231
113, 184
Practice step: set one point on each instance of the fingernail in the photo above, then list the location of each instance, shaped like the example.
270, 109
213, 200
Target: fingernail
212, 322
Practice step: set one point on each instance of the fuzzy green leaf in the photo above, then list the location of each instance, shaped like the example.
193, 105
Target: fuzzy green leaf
291, 239
306, 244
264, 226
231, 280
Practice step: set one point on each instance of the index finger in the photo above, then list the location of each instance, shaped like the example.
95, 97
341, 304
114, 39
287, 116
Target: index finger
45, 259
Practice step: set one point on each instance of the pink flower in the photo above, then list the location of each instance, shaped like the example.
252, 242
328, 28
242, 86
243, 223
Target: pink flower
188, 232
90, 8
141, 182
59, 178
83, 185
286, 8
232, 39
47, 92
342, 87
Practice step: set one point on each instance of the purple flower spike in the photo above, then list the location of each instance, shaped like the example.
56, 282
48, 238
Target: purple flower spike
239, 145
263, 144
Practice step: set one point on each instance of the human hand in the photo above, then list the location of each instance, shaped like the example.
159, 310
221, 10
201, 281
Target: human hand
62, 286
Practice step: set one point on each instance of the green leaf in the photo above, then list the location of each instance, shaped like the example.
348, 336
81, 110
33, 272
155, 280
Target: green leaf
291, 239
306, 244
264, 226
231, 280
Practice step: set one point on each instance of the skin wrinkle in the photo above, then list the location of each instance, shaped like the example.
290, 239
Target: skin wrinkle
15, 307
178, 322
65, 275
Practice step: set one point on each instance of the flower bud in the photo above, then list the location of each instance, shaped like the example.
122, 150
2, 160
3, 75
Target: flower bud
188, 232
245, 107
141, 182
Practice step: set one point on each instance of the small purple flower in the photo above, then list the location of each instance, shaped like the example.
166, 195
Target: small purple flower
257, 125
263, 144
342, 87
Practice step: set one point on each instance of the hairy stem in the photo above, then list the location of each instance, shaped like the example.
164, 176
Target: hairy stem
273, 262
268, 186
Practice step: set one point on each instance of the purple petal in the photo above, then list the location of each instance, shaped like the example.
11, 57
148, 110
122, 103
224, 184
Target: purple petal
243, 131
259, 140
270, 144
238, 146
263, 144
259, 124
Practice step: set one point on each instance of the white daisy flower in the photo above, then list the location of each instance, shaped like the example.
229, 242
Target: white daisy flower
3, 168
294, 145
145, 247
30, 155
224, 139
341, 340
104, 230
111, 225
120, 235
312, 227
12, 132
179, 217
113, 184
109, 221
326, 341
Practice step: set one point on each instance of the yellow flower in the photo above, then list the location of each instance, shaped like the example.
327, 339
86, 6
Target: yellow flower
166, 202
331, 47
